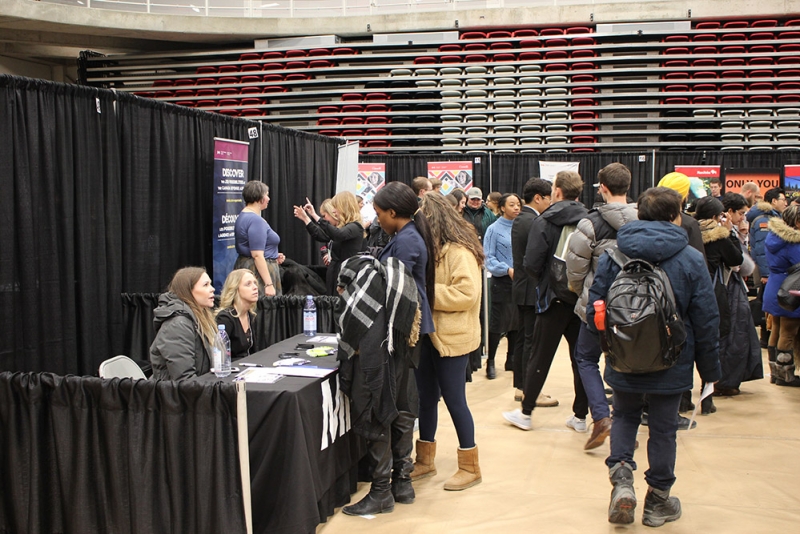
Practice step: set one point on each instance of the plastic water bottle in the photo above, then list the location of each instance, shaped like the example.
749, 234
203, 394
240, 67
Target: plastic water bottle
310, 317
222, 353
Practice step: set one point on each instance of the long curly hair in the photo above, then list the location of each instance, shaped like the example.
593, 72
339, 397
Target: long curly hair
447, 226
346, 204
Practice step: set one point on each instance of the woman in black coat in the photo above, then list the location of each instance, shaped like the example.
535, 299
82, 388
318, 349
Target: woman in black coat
739, 349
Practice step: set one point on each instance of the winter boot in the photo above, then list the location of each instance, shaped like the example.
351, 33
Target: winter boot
784, 363
491, 373
379, 500
772, 354
402, 444
623, 497
469, 472
660, 508
423, 465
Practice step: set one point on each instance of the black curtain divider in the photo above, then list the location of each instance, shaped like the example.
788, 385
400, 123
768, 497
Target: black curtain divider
59, 266
81, 454
297, 165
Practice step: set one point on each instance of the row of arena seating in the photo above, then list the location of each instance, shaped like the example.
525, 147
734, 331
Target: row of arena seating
549, 89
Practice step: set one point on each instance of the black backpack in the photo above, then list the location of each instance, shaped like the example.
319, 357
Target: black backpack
643, 331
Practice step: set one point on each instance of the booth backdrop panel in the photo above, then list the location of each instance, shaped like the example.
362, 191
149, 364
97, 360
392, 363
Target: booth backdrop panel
60, 231
728, 159
81, 454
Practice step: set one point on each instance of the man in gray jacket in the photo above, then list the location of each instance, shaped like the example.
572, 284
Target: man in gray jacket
594, 234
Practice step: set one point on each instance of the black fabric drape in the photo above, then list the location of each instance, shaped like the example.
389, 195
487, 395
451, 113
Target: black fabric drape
126, 456
59, 276
297, 165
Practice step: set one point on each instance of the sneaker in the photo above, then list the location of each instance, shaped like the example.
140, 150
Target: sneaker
660, 508
546, 401
518, 419
578, 425
623, 497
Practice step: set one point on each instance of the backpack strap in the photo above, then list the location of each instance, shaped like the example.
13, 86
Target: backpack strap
618, 257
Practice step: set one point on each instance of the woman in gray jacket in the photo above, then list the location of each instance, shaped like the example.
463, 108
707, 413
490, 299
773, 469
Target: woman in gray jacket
185, 327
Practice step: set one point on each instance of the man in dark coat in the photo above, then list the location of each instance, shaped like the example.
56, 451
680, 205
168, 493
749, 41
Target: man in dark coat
536, 195
476, 213
554, 317
656, 238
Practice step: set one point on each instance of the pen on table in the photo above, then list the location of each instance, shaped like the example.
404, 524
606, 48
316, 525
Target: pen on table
244, 364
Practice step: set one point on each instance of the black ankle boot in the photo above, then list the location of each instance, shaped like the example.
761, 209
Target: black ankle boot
659, 508
373, 503
403, 491
491, 374
707, 406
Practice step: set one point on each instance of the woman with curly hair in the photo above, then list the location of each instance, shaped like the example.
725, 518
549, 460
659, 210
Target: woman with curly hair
444, 354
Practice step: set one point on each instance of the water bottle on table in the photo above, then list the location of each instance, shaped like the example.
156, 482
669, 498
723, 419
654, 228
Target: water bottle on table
222, 353
310, 317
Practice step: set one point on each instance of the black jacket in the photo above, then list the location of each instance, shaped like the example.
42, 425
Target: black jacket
542, 241
689, 224
523, 290
346, 242
240, 342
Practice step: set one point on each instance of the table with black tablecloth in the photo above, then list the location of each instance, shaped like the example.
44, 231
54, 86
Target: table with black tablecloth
303, 457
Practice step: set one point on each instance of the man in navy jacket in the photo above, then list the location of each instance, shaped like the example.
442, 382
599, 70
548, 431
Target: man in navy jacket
657, 237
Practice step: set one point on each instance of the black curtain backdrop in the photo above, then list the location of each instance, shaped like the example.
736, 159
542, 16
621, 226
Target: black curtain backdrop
507, 173
59, 266
81, 454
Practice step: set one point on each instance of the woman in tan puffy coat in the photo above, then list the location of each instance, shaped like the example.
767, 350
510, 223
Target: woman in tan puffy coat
445, 353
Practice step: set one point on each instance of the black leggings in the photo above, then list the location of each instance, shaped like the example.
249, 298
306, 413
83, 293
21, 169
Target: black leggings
446, 375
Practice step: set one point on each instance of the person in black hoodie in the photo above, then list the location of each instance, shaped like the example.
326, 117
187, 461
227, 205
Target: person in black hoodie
555, 317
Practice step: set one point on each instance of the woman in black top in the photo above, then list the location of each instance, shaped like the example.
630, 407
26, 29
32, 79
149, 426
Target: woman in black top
237, 309
346, 235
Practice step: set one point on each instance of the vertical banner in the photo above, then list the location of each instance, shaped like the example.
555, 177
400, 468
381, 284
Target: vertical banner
765, 178
791, 180
549, 169
230, 175
699, 178
453, 174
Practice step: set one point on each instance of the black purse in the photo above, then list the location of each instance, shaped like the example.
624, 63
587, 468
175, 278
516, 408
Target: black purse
786, 300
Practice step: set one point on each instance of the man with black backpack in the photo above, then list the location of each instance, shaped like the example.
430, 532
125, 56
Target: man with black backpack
544, 263
653, 247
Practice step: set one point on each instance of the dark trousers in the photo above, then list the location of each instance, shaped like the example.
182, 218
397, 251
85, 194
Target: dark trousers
663, 427
558, 320
523, 346
446, 376
587, 356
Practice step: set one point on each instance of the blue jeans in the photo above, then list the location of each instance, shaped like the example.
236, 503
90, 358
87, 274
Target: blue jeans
587, 356
661, 445
446, 375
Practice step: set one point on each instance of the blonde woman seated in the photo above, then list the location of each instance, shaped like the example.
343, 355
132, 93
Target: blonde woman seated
185, 327
237, 309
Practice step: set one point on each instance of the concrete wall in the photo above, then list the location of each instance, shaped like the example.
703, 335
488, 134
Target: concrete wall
31, 69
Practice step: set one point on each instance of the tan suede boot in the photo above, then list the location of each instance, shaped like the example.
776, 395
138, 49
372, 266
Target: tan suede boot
423, 463
469, 472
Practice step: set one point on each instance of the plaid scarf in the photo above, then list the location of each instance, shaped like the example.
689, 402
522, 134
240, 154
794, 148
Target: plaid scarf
370, 285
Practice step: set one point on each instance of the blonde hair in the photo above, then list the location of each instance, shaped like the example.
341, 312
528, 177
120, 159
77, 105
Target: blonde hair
182, 284
346, 205
325, 207
230, 292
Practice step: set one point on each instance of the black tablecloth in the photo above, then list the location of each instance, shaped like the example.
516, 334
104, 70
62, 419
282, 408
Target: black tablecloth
303, 458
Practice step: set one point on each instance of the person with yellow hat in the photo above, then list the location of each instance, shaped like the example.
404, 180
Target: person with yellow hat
677, 181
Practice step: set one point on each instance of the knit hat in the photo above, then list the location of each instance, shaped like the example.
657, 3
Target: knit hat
676, 181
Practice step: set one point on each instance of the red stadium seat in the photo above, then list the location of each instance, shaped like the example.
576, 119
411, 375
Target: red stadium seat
736, 24
473, 35
504, 57
351, 97
206, 69
708, 25
530, 43
732, 37
675, 39
475, 47
328, 121
277, 55
577, 29
297, 77
676, 50
345, 51
525, 33
317, 52
250, 56
450, 48
551, 31
582, 41
769, 23
704, 50
530, 56
328, 109
500, 34
705, 37
269, 78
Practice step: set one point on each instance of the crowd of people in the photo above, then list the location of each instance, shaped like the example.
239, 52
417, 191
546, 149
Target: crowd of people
412, 285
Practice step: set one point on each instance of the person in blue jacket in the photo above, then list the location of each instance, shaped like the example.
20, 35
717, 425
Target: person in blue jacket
657, 238
759, 215
782, 247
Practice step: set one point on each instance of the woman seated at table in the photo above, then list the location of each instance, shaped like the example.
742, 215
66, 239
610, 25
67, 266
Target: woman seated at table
237, 309
346, 236
185, 327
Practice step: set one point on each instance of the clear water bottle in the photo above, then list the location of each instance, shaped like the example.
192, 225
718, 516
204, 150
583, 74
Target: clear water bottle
310, 317
222, 353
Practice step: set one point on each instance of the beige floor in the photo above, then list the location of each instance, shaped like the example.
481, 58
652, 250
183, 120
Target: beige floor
738, 471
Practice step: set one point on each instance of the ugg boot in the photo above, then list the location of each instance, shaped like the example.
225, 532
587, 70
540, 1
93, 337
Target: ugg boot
659, 508
423, 464
469, 472
772, 355
784, 363
623, 497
